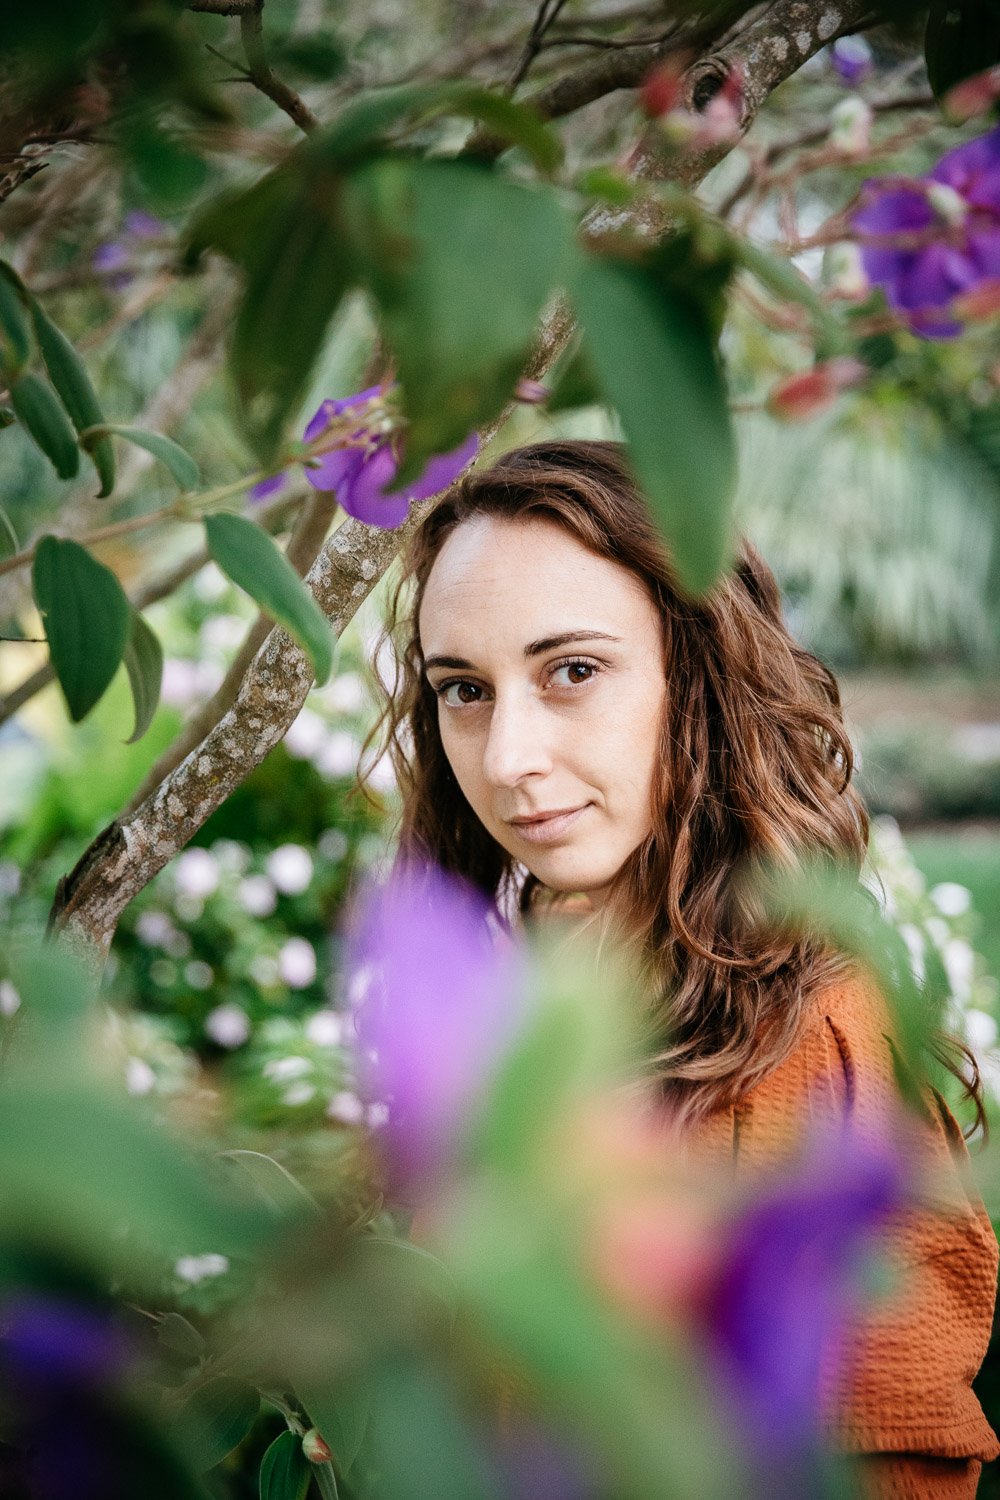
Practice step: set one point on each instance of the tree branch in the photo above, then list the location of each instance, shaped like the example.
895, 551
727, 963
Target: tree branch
311, 527
262, 74
767, 47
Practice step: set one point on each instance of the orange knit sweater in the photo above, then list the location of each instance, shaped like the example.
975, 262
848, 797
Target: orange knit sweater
904, 1392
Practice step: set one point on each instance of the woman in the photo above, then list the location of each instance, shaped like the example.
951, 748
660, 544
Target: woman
565, 723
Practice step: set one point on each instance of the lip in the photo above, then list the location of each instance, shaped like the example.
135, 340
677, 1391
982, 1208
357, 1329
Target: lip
550, 827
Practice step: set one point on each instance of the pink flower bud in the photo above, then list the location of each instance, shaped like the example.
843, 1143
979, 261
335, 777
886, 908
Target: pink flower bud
659, 91
315, 1447
802, 397
971, 97
980, 303
531, 392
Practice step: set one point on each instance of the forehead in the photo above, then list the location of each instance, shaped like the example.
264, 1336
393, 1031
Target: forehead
497, 582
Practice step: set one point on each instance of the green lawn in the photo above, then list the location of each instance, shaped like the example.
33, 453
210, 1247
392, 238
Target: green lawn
973, 859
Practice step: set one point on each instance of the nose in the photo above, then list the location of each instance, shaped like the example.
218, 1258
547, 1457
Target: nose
516, 745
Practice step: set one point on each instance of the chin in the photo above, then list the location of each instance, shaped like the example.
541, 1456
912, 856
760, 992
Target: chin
572, 874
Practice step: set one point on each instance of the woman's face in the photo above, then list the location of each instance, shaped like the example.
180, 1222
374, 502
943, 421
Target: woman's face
547, 662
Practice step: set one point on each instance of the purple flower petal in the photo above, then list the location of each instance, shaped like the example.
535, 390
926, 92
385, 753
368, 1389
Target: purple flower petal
45, 1341
330, 408
984, 249
443, 1006
961, 166
937, 275
364, 497
143, 226
331, 470
267, 487
790, 1282
441, 471
888, 207
851, 57
110, 257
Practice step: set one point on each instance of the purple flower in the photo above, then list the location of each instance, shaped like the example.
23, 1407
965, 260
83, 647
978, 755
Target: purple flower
143, 226
44, 1341
442, 1004
361, 474
952, 220
851, 57
789, 1281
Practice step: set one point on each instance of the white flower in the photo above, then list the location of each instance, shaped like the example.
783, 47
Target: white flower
851, 126
960, 966
139, 1076
280, 1069
377, 1115
338, 755
305, 735
263, 970
211, 584
10, 1000
195, 1268
347, 1108
980, 1030
233, 857
360, 982
223, 632
228, 1025
256, 895
196, 872
299, 1093
290, 867
325, 1028
333, 844
914, 940
951, 899
297, 963
154, 928
198, 974
346, 694
10, 878
179, 684
938, 931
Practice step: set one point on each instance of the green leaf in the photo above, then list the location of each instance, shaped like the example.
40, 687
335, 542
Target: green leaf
285, 233
784, 281
180, 1337
272, 1184
363, 125
43, 418
460, 262
285, 1471
326, 1481
962, 39
15, 332
75, 390
9, 544
248, 556
655, 357
144, 664
173, 457
574, 382
341, 1416
216, 1419
86, 618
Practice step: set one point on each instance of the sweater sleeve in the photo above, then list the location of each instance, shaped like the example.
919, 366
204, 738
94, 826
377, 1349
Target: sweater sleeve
903, 1382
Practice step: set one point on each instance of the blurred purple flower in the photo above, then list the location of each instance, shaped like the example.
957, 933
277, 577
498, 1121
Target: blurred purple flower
954, 215
361, 475
442, 1005
44, 1341
142, 226
789, 1280
851, 57
62, 1365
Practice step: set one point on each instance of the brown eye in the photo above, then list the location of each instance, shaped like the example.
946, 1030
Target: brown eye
577, 672
459, 694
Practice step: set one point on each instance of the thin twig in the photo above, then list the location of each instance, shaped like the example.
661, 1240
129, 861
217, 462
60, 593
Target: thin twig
547, 12
262, 74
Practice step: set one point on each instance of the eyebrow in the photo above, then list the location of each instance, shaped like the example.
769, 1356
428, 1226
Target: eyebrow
533, 648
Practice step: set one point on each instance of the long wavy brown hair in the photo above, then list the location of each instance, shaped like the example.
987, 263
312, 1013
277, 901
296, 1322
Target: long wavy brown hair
754, 775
